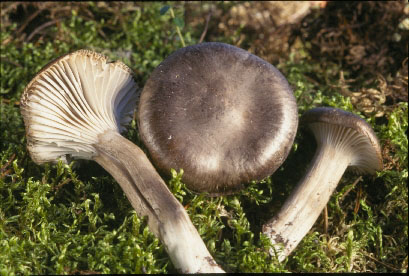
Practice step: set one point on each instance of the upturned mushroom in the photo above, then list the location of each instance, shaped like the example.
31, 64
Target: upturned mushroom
76, 106
343, 140
220, 113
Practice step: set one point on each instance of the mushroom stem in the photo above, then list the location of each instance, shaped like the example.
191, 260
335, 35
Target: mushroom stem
150, 196
303, 207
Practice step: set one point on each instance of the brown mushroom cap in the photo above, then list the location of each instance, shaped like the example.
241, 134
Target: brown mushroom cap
346, 131
220, 113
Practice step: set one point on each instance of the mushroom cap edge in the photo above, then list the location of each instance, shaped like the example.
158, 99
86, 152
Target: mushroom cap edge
60, 148
339, 117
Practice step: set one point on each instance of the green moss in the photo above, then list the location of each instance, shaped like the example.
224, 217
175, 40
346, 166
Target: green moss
71, 219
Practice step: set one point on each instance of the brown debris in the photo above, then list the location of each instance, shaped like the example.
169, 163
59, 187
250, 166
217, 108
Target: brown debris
367, 38
261, 27
390, 160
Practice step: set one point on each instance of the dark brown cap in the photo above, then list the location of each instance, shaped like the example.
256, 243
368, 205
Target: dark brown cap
220, 113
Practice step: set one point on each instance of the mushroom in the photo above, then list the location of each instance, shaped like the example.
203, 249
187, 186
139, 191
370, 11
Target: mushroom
76, 106
343, 140
220, 113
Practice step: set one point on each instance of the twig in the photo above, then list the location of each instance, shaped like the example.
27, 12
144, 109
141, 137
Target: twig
8, 162
40, 28
28, 20
206, 26
357, 202
11, 62
24, 25
7, 101
382, 263
5, 166
353, 185
5, 9
325, 220
177, 28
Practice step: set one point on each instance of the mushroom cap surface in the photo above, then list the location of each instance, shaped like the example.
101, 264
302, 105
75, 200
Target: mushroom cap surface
71, 101
347, 132
220, 113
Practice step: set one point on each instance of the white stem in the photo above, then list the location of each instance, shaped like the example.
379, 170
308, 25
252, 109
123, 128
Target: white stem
306, 202
150, 197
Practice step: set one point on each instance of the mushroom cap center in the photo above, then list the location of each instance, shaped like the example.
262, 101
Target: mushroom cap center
222, 114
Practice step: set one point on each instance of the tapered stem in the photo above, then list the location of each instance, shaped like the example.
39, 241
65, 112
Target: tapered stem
150, 197
307, 201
